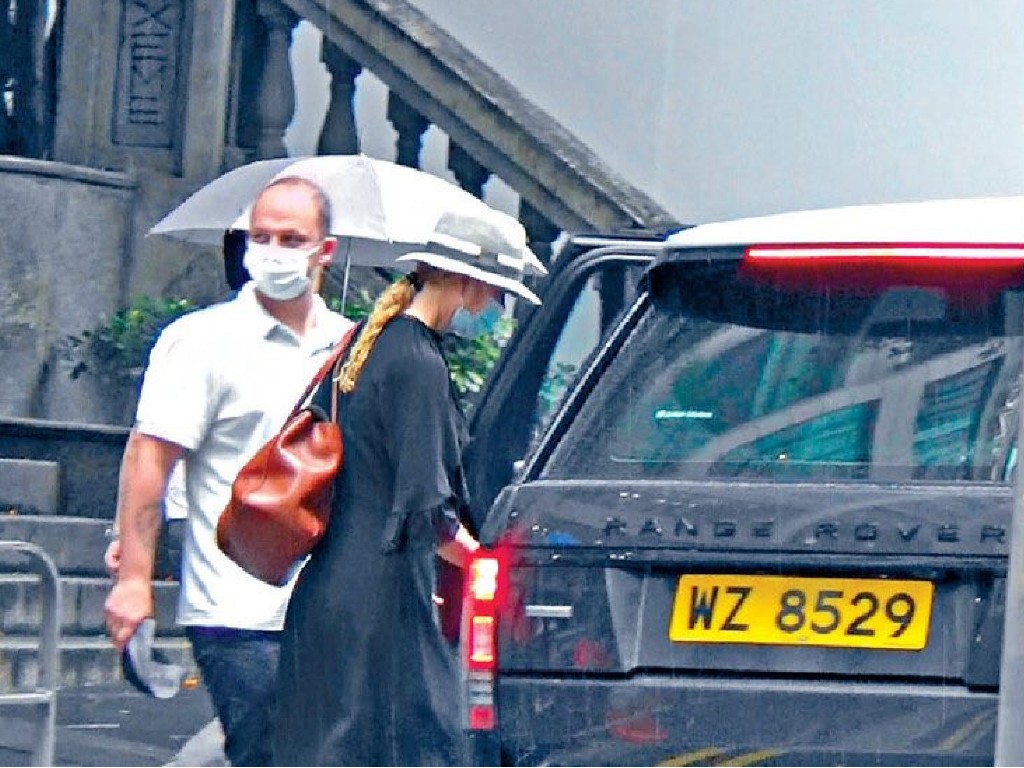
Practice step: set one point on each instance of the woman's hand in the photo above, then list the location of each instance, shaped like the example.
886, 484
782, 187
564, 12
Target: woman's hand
459, 550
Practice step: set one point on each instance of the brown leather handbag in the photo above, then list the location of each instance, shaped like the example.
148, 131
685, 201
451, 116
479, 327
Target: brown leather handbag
281, 499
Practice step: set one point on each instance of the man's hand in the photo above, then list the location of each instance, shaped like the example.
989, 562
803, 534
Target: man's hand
145, 469
129, 602
112, 558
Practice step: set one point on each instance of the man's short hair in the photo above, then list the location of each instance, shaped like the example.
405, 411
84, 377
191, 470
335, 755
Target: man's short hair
322, 201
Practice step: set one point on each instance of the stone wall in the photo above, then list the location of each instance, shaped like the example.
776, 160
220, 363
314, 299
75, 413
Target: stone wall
64, 232
144, 90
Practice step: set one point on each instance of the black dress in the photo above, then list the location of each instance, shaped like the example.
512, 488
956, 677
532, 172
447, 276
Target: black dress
366, 677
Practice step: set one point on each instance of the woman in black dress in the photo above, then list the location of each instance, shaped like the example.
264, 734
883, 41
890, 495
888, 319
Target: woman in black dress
366, 677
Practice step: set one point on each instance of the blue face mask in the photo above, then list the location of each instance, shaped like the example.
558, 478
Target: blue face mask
467, 325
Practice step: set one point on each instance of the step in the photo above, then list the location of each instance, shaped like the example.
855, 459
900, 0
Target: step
29, 486
89, 456
82, 599
83, 661
77, 544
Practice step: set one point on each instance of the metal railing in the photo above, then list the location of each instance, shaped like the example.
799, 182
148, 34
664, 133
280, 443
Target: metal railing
42, 702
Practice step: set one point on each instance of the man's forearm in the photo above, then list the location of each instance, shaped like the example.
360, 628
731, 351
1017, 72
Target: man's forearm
144, 472
139, 532
145, 468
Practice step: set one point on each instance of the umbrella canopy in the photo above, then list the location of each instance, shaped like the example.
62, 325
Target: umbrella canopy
379, 209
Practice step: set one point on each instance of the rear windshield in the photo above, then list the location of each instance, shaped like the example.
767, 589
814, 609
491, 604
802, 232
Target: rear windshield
727, 378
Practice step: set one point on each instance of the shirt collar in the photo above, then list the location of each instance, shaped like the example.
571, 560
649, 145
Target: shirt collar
264, 324
254, 316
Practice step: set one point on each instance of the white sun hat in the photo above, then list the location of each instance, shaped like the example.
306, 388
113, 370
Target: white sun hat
481, 249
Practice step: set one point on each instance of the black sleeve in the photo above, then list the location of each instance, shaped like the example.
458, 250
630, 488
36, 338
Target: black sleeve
423, 446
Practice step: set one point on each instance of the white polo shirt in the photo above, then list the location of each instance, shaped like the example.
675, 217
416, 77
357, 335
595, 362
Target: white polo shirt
220, 383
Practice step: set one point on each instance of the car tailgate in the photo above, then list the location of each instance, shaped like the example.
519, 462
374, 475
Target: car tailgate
595, 577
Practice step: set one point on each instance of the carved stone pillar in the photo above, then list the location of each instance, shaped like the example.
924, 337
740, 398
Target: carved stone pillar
149, 90
411, 126
540, 232
339, 135
208, 85
276, 92
468, 172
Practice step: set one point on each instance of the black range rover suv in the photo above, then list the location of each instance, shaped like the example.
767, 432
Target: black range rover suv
769, 523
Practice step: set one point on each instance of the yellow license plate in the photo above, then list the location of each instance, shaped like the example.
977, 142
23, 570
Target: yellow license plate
780, 610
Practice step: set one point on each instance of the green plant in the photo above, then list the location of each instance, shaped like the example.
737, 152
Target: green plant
116, 351
357, 307
469, 360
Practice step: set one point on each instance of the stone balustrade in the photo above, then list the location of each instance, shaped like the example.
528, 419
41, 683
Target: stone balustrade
161, 96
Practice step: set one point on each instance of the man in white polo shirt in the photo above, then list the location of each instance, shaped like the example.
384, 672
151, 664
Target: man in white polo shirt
220, 383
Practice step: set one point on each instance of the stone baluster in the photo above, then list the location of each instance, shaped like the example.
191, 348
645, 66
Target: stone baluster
8, 50
339, 135
540, 232
467, 171
46, 104
36, 85
27, 48
277, 92
410, 126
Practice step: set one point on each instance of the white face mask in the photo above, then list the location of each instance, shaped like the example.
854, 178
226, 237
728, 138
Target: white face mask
279, 273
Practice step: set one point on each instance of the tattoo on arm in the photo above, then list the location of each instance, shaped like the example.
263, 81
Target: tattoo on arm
147, 523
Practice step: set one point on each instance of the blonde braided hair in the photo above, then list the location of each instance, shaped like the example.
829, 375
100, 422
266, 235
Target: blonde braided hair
388, 306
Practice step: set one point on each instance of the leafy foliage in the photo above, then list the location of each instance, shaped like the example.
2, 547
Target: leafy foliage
357, 307
116, 351
471, 360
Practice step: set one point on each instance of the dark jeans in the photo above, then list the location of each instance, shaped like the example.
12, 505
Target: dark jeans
239, 669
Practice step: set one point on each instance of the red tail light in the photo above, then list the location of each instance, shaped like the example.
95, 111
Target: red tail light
480, 639
950, 252
480, 605
483, 579
968, 267
481, 717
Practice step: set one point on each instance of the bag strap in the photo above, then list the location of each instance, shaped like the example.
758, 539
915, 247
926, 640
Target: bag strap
335, 391
327, 367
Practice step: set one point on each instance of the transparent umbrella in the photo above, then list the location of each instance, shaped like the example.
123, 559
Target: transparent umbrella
380, 210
